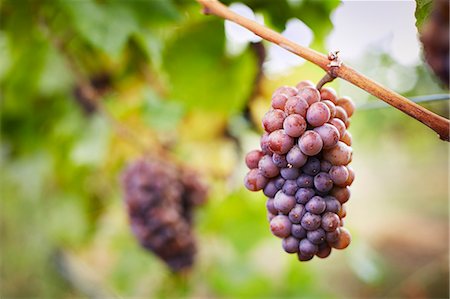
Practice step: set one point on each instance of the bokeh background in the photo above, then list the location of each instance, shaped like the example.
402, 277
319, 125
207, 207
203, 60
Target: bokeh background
88, 86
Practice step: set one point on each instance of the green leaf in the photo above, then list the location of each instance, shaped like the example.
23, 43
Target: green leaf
423, 9
200, 74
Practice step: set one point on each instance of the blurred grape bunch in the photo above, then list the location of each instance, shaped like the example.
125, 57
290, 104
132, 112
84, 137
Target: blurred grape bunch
160, 197
435, 39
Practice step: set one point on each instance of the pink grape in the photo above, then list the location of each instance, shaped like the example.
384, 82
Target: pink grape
339, 154
296, 105
252, 158
279, 101
329, 135
309, 94
318, 114
339, 174
273, 120
294, 125
347, 104
339, 124
328, 93
254, 180
310, 143
280, 142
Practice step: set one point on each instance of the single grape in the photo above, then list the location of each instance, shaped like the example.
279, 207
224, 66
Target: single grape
279, 160
280, 142
309, 94
283, 202
347, 104
333, 205
347, 138
296, 105
265, 144
312, 166
310, 143
341, 114
323, 182
290, 173
332, 236
267, 167
252, 158
324, 250
270, 189
307, 247
294, 125
316, 205
279, 182
330, 221
339, 174
339, 154
305, 181
351, 176
325, 166
279, 101
273, 120
254, 180
305, 83
304, 257
270, 207
295, 157
298, 231
344, 239
342, 194
329, 134
342, 212
328, 93
339, 124
287, 90
318, 114
330, 106
280, 226
316, 236
303, 195
311, 221
296, 214
290, 244
290, 187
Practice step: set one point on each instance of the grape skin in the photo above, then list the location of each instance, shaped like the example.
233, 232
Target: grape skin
283, 202
270, 207
312, 166
254, 180
318, 114
310, 143
316, 236
280, 226
328, 93
330, 106
324, 250
339, 174
270, 189
295, 157
267, 167
339, 154
273, 120
279, 101
280, 160
265, 144
329, 134
323, 182
333, 205
347, 138
294, 125
341, 114
311, 221
307, 247
305, 83
290, 244
296, 214
325, 166
290, 187
303, 195
305, 181
310, 94
343, 240
339, 124
280, 142
342, 194
296, 105
288, 90
347, 104
252, 158
298, 231
290, 173
330, 221
316, 205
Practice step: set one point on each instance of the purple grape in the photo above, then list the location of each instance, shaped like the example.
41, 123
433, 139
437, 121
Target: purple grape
312, 166
333, 205
325, 166
294, 125
303, 195
339, 174
323, 182
267, 167
283, 202
324, 250
333, 236
279, 182
290, 173
316, 236
305, 181
270, 189
298, 231
279, 160
280, 142
270, 216
265, 144
270, 207
280, 226
318, 113
306, 247
316, 205
252, 158
329, 134
304, 257
296, 214
330, 221
296, 105
290, 187
254, 180
290, 244
310, 143
311, 221
295, 157
273, 120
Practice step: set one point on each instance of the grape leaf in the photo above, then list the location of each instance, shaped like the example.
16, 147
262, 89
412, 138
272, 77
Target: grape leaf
423, 9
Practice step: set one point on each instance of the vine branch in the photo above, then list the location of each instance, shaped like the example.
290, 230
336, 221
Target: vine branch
435, 122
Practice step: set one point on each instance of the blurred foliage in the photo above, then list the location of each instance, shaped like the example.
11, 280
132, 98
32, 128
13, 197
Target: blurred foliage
170, 86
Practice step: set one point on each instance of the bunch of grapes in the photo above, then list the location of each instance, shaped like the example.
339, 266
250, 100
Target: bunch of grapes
160, 198
435, 39
303, 170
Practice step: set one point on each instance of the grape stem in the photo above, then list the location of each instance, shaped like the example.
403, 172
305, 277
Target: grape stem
435, 122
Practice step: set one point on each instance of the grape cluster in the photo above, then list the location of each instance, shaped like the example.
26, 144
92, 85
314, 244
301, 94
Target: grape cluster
435, 39
303, 170
160, 198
